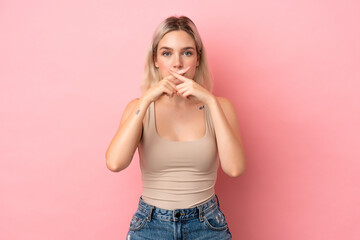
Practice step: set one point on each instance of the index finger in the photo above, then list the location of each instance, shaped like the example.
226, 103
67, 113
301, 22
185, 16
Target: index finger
178, 76
171, 79
182, 71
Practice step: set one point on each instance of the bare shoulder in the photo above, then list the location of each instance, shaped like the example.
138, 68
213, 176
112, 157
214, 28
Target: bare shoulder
131, 105
134, 101
230, 113
226, 104
229, 109
129, 109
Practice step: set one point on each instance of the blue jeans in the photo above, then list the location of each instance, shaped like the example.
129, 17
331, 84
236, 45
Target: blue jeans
205, 221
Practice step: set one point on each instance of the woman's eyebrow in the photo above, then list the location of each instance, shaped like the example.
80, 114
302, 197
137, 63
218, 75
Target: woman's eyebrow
167, 48
185, 48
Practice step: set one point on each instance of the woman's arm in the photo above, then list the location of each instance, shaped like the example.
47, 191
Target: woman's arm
231, 153
122, 147
232, 156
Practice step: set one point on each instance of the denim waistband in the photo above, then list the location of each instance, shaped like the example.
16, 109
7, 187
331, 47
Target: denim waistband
178, 214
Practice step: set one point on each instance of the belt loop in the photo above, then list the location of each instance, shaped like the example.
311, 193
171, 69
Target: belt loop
201, 213
217, 199
148, 217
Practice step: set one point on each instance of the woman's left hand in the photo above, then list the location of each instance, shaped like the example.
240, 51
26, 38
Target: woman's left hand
189, 88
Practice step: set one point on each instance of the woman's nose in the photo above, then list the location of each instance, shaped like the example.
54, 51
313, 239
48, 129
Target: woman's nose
177, 63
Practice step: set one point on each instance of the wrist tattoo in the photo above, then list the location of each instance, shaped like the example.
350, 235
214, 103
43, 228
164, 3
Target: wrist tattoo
137, 112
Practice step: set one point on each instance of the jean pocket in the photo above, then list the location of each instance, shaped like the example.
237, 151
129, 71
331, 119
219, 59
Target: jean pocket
138, 221
215, 219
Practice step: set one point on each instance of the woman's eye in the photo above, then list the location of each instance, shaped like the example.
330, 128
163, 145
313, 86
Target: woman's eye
188, 53
166, 54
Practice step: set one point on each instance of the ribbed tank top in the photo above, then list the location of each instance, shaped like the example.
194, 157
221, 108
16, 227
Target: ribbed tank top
177, 174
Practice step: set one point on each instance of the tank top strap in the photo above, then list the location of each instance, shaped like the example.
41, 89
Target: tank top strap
150, 121
209, 121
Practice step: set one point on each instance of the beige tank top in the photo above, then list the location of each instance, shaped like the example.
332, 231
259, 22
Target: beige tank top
177, 174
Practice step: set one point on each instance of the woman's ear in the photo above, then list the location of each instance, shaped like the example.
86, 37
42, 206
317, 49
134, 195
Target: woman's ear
156, 63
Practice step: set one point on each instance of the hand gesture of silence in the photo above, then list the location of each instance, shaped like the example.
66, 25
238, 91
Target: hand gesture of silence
188, 88
184, 87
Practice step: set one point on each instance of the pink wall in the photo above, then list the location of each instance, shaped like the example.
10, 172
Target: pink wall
68, 69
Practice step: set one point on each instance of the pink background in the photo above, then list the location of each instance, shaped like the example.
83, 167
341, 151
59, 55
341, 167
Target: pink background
68, 69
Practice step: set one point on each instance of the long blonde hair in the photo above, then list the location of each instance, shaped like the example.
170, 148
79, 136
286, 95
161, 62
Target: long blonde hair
173, 23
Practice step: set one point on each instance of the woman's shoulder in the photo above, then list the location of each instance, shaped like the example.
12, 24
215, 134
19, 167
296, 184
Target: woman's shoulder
134, 101
227, 106
130, 106
224, 102
128, 109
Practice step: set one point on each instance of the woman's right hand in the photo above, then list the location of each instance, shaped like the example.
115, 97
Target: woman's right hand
164, 86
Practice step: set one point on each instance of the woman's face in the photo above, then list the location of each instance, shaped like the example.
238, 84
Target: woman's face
176, 51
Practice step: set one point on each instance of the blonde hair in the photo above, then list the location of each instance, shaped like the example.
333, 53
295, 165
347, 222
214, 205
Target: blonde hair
174, 23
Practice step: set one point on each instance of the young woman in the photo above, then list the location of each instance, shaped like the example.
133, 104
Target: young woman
181, 131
